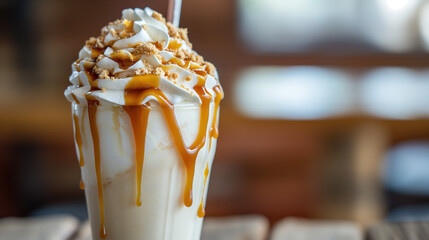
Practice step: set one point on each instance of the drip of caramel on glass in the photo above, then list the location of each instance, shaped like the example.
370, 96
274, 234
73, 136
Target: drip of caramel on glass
81, 185
78, 138
137, 89
92, 113
201, 209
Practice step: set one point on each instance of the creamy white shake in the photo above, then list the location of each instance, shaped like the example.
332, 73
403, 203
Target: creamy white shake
145, 110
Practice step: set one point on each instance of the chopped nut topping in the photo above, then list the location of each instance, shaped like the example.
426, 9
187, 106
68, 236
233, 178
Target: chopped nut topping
97, 70
158, 16
113, 32
116, 22
191, 58
141, 71
104, 75
159, 71
210, 68
181, 33
159, 45
181, 54
91, 42
144, 48
101, 56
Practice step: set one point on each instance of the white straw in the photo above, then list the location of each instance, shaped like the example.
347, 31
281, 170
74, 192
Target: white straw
174, 8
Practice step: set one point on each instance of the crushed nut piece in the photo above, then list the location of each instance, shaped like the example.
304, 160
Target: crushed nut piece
144, 48
181, 33
210, 68
104, 75
113, 32
158, 16
159, 45
159, 71
91, 42
142, 71
116, 22
101, 56
181, 54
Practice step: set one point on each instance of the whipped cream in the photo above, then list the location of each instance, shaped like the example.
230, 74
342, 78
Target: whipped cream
147, 45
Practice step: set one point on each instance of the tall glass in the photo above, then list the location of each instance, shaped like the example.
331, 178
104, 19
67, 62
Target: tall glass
145, 168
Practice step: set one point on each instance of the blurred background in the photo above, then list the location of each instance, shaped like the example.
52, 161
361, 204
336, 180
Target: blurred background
326, 113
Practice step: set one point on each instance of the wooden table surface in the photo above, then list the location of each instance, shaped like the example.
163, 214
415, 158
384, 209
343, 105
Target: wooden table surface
248, 227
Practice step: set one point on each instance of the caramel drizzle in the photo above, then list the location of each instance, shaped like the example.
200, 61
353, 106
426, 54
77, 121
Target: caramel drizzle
129, 26
188, 154
174, 44
78, 138
136, 91
139, 116
214, 131
123, 59
92, 79
95, 52
81, 184
74, 97
92, 113
201, 209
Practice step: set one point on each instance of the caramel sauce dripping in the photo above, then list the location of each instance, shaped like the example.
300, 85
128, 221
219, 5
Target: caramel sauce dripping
176, 61
125, 64
95, 52
201, 72
80, 82
88, 65
184, 64
129, 25
92, 113
174, 44
76, 65
81, 185
140, 83
139, 115
121, 55
219, 95
75, 98
143, 86
198, 69
188, 154
187, 64
78, 138
189, 157
194, 66
92, 79
137, 89
201, 209
123, 59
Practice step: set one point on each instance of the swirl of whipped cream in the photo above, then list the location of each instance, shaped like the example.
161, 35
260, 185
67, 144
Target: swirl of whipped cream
100, 70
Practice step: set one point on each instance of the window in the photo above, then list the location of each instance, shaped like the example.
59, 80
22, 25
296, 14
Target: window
273, 26
308, 92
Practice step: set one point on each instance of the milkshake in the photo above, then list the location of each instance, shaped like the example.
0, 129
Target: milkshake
145, 112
